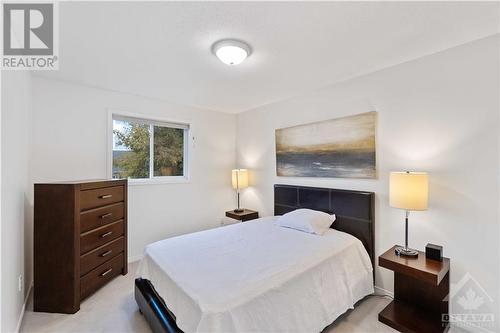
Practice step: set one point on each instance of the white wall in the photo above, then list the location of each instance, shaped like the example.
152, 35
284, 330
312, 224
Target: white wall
70, 142
437, 114
16, 196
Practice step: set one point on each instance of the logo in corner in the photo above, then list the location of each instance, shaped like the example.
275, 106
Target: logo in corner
29, 37
470, 305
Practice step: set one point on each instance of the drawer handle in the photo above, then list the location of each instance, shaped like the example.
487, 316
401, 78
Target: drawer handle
107, 272
106, 215
106, 234
106, 253
106, 196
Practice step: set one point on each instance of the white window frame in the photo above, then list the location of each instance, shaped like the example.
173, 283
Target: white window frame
151, 120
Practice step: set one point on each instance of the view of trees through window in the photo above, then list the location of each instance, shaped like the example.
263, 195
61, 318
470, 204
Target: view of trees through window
132, 153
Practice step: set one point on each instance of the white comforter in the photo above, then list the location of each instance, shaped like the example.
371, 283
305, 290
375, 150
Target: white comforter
258, 277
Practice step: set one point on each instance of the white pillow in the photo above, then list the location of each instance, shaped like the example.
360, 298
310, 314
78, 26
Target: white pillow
307, 220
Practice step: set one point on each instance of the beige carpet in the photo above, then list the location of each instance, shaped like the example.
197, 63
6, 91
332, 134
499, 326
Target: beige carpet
113, 309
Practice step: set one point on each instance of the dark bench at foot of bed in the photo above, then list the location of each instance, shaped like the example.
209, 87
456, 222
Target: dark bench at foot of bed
153, 308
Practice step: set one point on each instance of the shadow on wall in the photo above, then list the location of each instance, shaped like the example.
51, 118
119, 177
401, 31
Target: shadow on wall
28, 244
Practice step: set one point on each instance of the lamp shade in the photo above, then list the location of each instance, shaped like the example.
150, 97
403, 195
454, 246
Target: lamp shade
239, 178
409, 190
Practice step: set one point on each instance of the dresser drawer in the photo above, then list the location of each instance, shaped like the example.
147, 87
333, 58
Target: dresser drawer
100, 236
100, 255
100, 197
97, 217
100, 275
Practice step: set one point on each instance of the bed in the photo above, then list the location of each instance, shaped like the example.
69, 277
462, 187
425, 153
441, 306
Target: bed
259, 277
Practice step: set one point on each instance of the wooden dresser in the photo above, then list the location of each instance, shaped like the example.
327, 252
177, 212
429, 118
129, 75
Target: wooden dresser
80, 241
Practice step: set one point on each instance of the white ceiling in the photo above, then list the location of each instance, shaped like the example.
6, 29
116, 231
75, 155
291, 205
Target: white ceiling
163, 50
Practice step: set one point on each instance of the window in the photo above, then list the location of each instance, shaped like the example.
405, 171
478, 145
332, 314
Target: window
148, 149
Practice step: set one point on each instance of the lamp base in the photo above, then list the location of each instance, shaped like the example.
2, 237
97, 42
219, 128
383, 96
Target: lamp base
239, 210
406, 252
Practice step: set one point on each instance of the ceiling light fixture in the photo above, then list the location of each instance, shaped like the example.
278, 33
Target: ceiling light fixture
231, 52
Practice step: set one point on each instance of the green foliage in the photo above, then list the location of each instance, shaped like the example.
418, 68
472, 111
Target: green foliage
168, 150
136, 163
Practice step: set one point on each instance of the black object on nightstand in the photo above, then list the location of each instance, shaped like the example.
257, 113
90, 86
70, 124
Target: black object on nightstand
245, 215
434, 252
421, 287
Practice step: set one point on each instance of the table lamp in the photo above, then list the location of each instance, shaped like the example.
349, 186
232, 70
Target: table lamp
408, 191
239, 180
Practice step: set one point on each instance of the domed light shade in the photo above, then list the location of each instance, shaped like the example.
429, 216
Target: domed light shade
231, 52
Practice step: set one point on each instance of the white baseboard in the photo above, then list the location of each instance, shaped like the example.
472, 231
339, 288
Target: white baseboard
384, 291
134, 258
23, 309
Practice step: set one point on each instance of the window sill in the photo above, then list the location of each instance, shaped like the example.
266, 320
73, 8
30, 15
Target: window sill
158, 181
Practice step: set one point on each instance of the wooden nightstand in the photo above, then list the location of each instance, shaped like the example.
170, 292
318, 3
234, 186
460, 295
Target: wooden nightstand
245, 215
421, 287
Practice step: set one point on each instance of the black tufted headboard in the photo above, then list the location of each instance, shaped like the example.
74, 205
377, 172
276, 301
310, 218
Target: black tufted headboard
355, 210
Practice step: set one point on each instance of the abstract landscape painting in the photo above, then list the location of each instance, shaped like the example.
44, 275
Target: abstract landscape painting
340, 148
